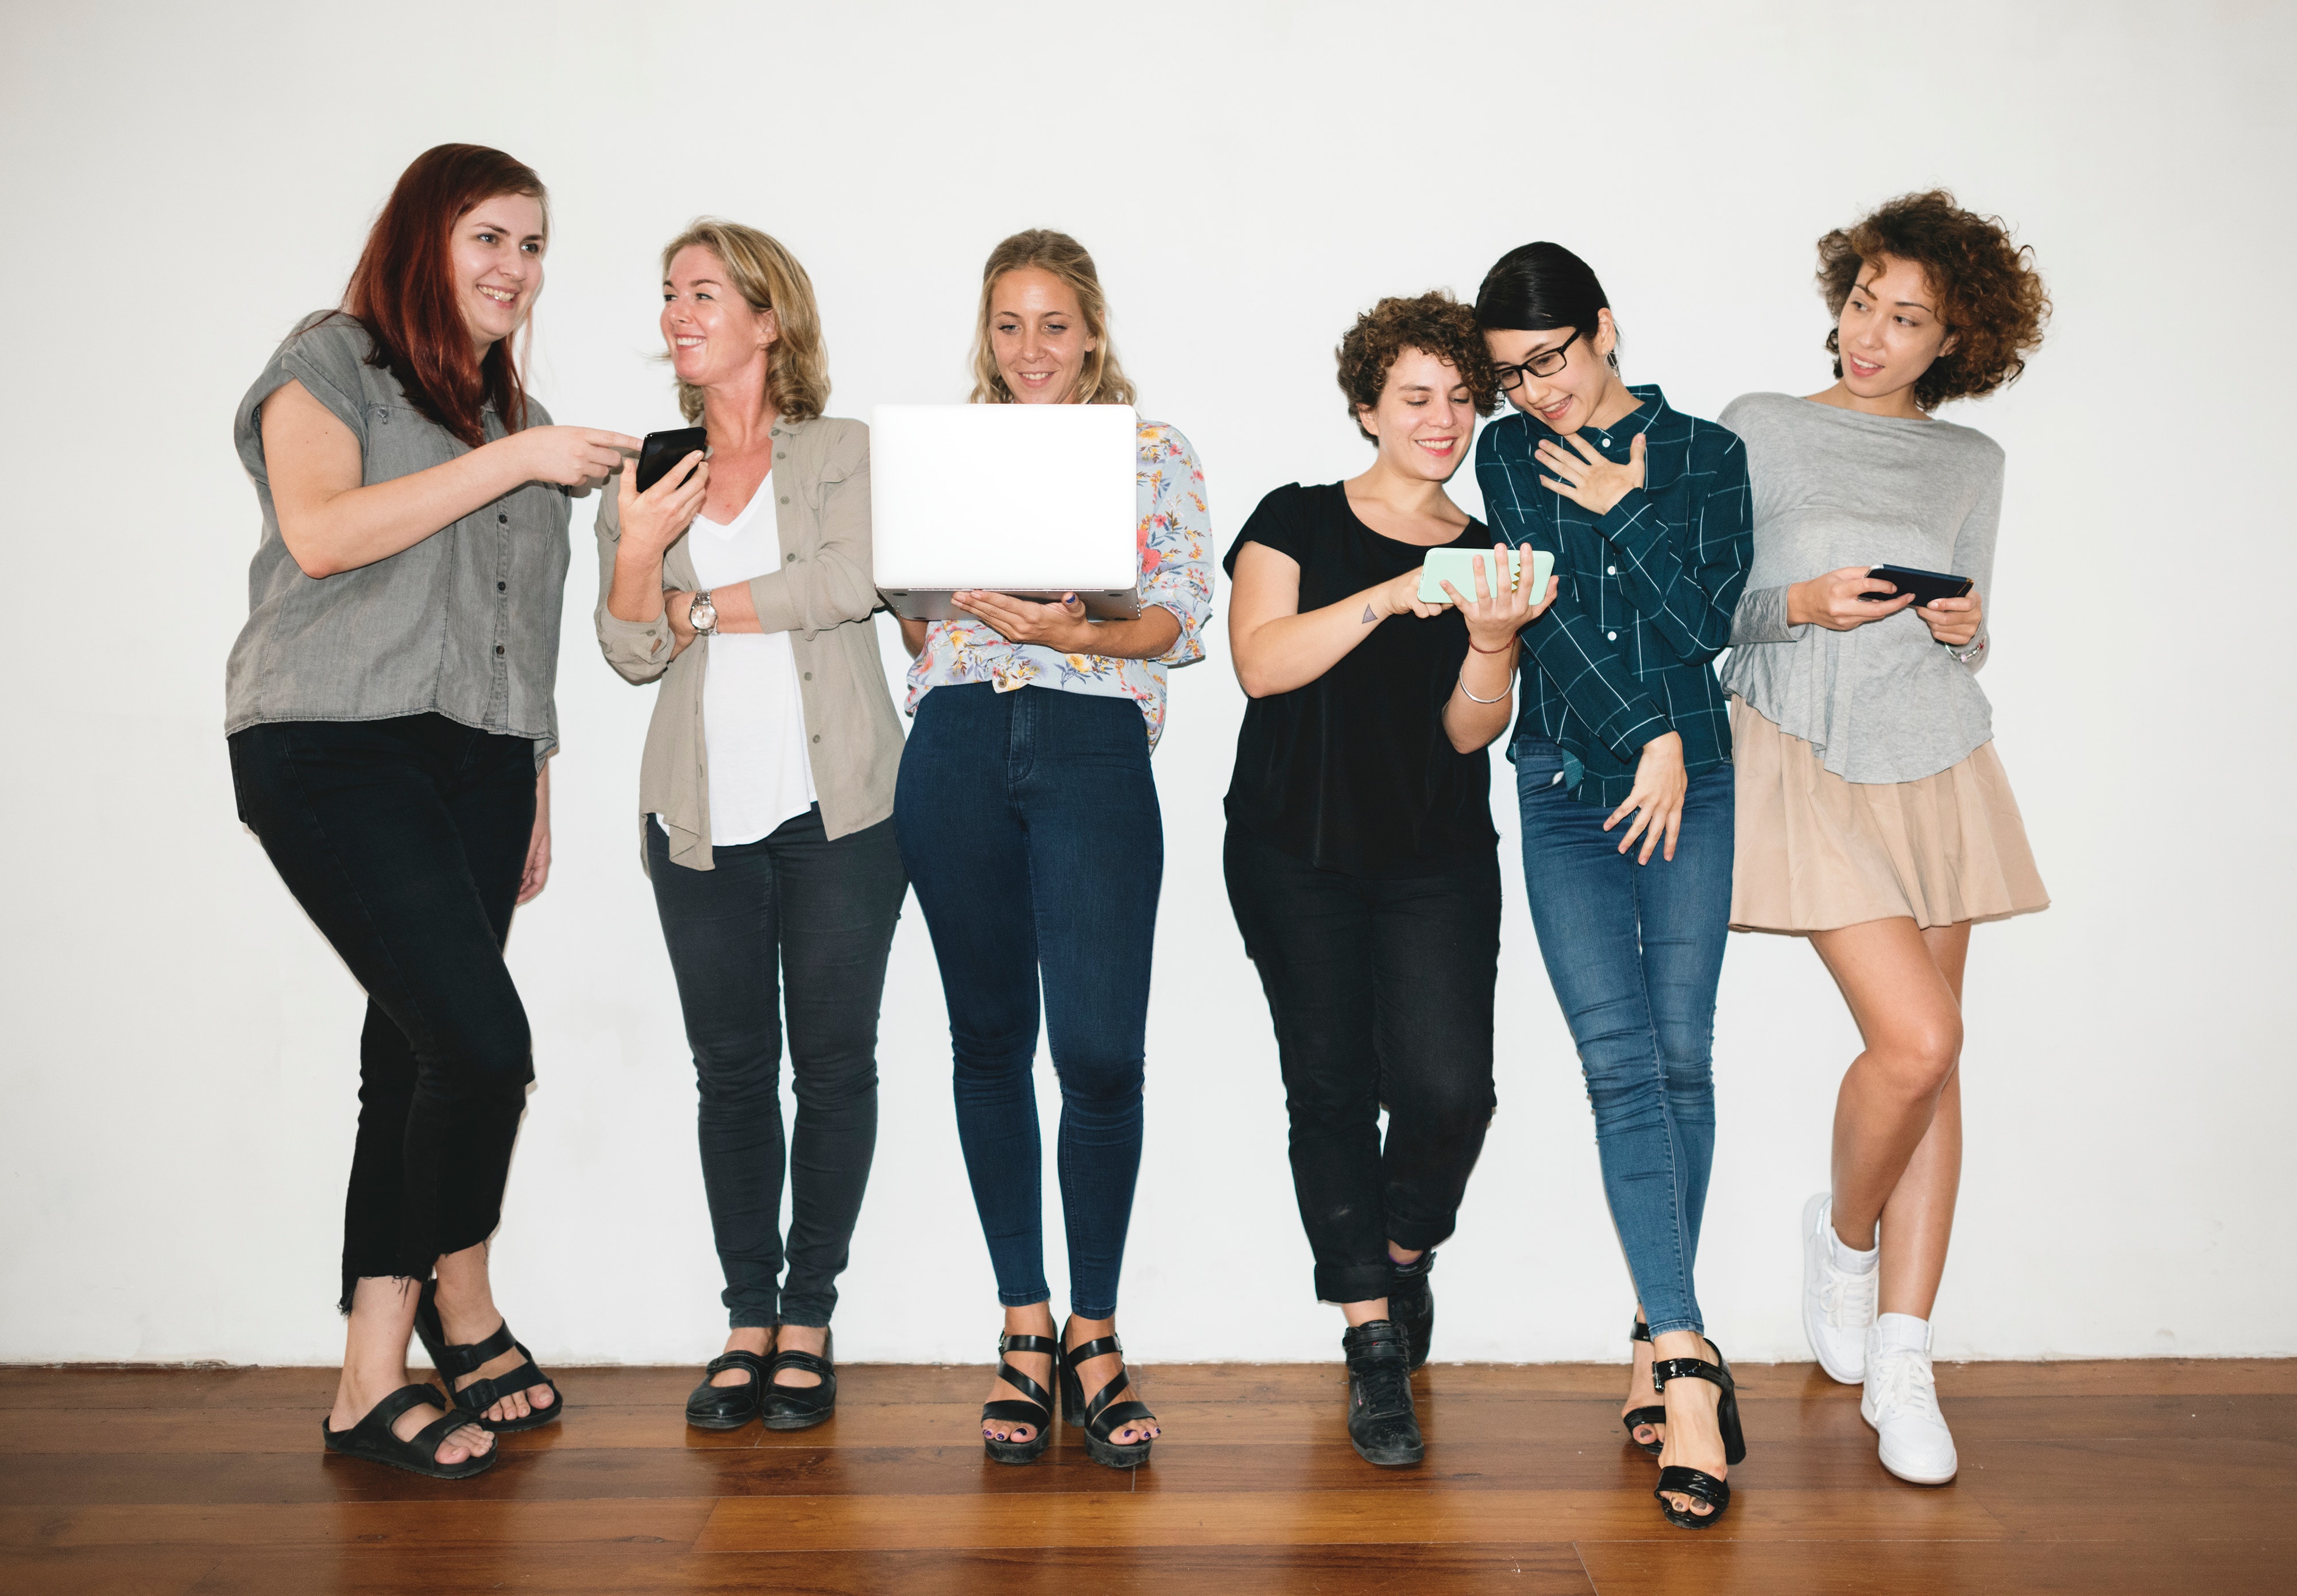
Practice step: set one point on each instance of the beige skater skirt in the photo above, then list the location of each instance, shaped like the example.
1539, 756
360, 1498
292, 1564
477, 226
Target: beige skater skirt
1816, 853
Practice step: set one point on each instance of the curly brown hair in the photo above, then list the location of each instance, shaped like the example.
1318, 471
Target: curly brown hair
1989, 294
1435, 323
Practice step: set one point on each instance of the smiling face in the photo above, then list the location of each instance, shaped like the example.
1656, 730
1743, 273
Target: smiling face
1037, 336
496, 255
1890, 333
1425, 418
1587, 386
711, 332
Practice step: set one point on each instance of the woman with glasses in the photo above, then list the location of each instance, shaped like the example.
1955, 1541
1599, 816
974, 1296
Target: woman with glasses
1029, 822
1361, 861
1622, 757
765, 795
1874, 816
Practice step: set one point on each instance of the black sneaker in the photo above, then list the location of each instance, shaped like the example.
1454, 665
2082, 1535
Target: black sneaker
1381, 1424
1412, 1305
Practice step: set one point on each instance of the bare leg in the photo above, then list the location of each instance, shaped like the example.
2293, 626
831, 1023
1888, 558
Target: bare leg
1918, 1219
1909, 1014
467, 1313
1035, 1319
375, 1365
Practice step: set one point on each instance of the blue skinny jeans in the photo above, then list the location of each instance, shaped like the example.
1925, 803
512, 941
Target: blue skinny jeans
1635, 953
1029, 825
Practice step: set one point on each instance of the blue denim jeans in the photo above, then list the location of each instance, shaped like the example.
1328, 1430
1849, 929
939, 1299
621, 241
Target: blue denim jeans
1029, 825
1635, 952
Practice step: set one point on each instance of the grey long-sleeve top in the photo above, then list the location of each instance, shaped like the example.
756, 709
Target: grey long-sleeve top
1884, 702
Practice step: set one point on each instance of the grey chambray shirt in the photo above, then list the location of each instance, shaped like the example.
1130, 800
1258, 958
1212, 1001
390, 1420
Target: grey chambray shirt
464, 624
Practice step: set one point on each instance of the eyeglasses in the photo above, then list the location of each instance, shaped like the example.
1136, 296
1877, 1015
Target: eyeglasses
1544, 363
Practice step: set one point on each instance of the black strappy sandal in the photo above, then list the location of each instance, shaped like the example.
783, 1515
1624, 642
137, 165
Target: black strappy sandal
802, 1407
1104, 1415
1638, 1417
1037, 1411
453, 1362
1696, 1483
371, 1437
727, 1407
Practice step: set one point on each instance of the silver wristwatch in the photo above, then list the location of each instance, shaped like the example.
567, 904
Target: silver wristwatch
702, 615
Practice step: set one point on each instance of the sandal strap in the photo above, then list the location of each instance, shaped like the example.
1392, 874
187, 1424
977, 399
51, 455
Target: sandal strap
1676, 1480
739, 1358
1106, 1394
1010, 1411
1038, 1397
1689, 1368
433, 1436
1099, 1348
385, 1414
810, 1362
1105, 1422
480, 1396
1639, 1331
457, 1359
1646, 1416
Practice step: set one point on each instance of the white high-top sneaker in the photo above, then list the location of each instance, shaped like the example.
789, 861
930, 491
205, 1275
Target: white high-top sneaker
1837, 1306
1901, 1401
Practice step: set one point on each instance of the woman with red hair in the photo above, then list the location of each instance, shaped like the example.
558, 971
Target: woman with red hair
389, 711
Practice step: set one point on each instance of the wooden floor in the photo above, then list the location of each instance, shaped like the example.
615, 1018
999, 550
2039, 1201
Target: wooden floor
2075, 1478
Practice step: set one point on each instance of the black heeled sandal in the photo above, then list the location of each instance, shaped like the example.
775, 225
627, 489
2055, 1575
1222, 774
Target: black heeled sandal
453, 1362
802, 1407
1037, 1411
1698, 1483
371, 1438
1104, 1415
1413, 1306
727, 1407
1635, 1417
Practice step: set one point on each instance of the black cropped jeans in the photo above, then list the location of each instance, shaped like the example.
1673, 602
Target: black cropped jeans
1381, 992
794, 926
404, 840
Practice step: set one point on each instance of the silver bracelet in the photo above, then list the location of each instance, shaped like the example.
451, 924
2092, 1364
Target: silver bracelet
1965, 655
1471, 692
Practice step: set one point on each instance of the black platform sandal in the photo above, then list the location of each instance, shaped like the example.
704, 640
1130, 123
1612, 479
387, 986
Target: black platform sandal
802, 1407
371, 1437
453, 1362
1637, 1419
1382, 1426
1694, 1482
1037, 1411
727, 1407
1413, 1306
1104, 1415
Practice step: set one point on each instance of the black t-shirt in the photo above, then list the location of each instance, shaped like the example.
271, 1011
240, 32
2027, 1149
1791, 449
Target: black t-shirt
1354, 772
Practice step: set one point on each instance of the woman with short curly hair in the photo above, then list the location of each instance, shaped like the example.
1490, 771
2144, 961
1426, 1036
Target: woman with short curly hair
1873, 816
1361, 860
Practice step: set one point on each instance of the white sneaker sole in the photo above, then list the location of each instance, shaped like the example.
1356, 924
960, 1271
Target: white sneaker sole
1905, 1470
1842, 1373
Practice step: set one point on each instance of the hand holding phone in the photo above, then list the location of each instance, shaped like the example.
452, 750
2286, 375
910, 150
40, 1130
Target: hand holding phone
663, 450
1928, 587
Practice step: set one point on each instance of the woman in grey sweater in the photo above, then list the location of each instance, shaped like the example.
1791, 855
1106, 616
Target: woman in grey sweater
1873, 816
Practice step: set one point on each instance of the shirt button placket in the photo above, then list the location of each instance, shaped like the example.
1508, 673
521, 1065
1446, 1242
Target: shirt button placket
501, 718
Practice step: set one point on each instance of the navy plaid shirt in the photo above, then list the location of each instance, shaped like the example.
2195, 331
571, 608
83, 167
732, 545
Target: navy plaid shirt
1625, 653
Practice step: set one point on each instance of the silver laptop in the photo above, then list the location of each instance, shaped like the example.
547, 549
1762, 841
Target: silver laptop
1035, 500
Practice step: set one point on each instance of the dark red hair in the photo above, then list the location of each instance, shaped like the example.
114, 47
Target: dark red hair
403, 289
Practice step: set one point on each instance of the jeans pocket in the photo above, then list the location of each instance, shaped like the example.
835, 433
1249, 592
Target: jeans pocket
1538, 767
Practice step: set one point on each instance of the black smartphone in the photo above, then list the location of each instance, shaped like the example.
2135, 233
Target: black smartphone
663, 450
1928, 587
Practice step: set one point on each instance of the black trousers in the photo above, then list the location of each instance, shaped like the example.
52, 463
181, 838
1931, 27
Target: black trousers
791, 925
405, 840
1381, 992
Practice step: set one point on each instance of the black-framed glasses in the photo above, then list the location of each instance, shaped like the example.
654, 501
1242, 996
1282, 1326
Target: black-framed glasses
1544, 363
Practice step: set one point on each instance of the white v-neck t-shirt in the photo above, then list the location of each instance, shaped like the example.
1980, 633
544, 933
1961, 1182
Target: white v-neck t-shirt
752, 717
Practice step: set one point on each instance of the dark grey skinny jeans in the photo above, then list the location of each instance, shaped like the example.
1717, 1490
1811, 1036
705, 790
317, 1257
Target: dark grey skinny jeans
819, 914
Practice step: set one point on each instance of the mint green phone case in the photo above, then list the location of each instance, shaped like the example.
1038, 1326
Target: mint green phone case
1455, 565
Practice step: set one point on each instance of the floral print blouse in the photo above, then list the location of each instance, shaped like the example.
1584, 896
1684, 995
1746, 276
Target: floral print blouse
1176, 575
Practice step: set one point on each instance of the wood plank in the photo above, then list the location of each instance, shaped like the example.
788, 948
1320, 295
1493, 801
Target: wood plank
1699, 1561
374, 1525
2119, 1490
1306, 1518
1522, 1570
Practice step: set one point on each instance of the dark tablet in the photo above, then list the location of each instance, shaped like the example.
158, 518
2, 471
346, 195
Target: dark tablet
663, 450
1928, 587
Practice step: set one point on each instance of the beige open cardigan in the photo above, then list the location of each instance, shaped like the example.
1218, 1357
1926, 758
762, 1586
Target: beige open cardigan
823, 596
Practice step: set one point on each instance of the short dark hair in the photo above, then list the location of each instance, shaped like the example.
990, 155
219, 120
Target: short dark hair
1989, 294
1536, 286
1436, 324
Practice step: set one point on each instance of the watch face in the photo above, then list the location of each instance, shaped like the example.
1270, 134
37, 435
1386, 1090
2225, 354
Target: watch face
702, 617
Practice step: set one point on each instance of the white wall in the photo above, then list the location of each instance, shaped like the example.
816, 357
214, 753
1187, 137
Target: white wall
179, 183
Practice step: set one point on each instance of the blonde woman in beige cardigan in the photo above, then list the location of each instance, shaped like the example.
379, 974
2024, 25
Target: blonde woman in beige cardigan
741, 582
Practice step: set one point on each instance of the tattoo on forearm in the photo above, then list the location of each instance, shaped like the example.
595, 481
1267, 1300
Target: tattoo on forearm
1369, 617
